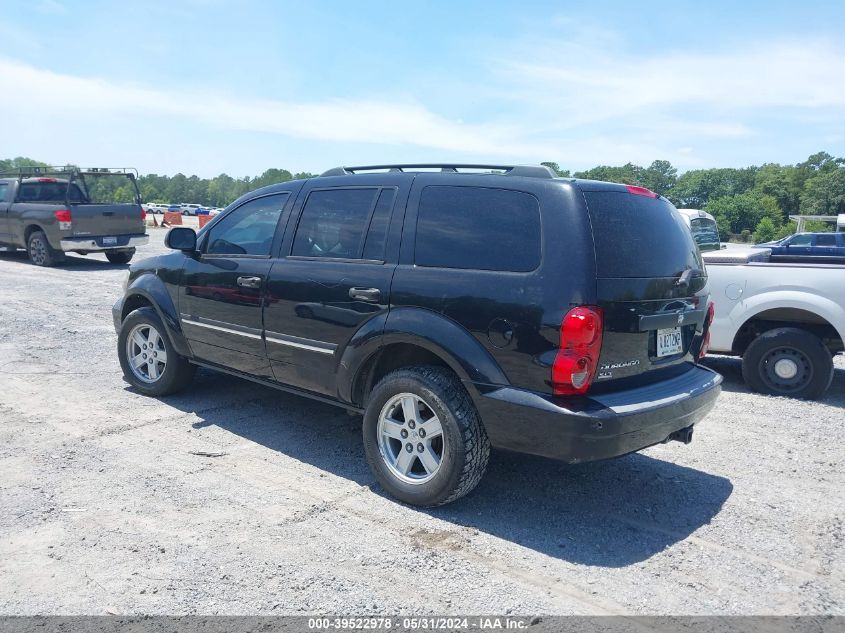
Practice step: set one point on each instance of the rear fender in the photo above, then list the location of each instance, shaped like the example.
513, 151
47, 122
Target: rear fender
453, 344
744, 311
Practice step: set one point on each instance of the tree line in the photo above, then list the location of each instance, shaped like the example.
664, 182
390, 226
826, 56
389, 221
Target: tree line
748, 203
209, 192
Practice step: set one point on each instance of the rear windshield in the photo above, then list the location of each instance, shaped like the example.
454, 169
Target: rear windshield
49, 192
705, 233
638, 236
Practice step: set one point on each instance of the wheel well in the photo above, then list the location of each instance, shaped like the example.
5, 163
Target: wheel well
133, 302
29, 231
386, 360
786, 317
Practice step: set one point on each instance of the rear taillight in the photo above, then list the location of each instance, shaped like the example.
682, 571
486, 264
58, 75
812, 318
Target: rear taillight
705, 344
63, 218
578, 354
640, 191
143, 214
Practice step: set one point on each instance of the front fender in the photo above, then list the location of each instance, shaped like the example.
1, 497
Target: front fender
432, 331
152, 288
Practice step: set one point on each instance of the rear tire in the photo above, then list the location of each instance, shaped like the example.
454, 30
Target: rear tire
141, 345
40, 252
120, 257
788, 362
444, 464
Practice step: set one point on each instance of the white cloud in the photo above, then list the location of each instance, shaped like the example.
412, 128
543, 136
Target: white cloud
597, 84
51, 94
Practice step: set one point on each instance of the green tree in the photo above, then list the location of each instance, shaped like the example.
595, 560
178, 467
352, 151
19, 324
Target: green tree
660, 177
20, 161
744, 211
780, 182
824, 193
563, 173
626, 174
724, 227
696, 188
765, 231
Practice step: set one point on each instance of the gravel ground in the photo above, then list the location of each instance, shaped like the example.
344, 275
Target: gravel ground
104, 508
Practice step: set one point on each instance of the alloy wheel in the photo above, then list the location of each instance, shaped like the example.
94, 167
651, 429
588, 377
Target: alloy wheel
146, 353
410, 438
37, 250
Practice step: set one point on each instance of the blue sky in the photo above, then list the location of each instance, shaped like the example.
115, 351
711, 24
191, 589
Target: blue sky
207, 86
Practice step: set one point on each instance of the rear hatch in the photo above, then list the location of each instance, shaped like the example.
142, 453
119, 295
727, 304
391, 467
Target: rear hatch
651, 286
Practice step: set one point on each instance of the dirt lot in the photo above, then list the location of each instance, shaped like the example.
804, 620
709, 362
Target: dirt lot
105, 508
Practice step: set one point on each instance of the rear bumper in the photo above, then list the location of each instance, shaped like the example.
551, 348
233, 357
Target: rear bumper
96, 244
592, 428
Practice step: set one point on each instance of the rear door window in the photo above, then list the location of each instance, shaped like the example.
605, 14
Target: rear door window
334, 223
377, 233
639, 236
826, 240
478, 228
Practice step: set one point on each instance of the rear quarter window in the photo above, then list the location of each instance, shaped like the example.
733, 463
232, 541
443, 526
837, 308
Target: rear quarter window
639, 236
478, 228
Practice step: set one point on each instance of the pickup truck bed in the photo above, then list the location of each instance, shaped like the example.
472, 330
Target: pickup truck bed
786, 320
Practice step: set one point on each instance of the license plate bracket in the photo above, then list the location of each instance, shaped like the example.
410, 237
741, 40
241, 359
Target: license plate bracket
670, 341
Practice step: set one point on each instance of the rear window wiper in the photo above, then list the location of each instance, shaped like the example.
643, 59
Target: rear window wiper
684, 278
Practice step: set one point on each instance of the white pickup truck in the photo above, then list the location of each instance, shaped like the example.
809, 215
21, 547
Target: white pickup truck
787, 321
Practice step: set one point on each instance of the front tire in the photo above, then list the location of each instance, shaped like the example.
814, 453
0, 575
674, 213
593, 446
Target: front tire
40, 252
788, 362
120, 257
149, 362
423, 437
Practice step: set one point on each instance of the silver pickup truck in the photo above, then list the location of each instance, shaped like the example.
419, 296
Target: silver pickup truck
51, 211
786, 320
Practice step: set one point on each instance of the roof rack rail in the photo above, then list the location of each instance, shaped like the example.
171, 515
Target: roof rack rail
70, 170
531, 171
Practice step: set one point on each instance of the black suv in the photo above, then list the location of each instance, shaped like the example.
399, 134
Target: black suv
454, 306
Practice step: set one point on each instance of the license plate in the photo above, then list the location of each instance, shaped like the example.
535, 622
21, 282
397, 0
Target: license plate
669, 342
109, 241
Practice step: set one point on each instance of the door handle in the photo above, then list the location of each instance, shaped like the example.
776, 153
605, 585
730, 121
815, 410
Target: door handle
371, 295
249, 282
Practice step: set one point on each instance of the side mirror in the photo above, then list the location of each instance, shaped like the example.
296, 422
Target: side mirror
181, 238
